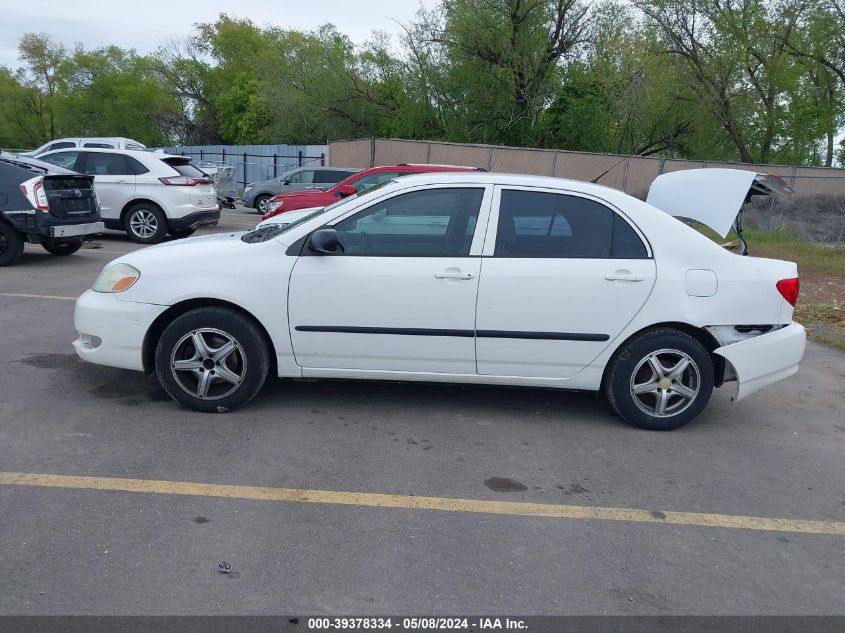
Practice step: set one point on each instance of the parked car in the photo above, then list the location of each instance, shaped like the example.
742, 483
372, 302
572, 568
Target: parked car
146, 194
101, 142
582, 287
258, 194
44, 204
356, 183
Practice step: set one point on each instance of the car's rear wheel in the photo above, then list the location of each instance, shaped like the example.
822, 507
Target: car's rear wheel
660, 380
62, 248
180, 233
260, 203
145, 223
212, 359
11, 245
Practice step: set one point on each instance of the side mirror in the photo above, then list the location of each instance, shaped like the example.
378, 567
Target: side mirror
344, 191
323, 241
285, 182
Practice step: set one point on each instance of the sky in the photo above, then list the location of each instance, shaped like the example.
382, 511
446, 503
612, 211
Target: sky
145, 24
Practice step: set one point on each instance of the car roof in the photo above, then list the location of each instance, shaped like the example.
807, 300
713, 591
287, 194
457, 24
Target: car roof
136, 153
420, 168
498, 178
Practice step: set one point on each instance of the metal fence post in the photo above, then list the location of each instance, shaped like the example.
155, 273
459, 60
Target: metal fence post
200, 153
625, 175
322, 159
842, 231
223, 153
299, 157
275, 164
489, 158
244, 169
660, 166
372, 151
428, 153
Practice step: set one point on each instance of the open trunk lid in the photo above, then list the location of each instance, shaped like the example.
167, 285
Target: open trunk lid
714, 196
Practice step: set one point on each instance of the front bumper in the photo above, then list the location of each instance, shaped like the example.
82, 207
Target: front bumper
193, 220
766, 359
111, 332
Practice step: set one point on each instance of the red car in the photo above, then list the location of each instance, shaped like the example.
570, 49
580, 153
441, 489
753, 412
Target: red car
363, 180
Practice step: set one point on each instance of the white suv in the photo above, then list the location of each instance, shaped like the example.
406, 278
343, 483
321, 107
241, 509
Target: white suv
98, 142
145, 194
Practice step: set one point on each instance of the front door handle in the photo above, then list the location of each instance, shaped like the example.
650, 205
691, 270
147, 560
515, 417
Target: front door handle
453, 274
624, 275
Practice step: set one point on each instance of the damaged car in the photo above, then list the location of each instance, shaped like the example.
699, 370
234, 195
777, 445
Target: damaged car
462, 277
44, 204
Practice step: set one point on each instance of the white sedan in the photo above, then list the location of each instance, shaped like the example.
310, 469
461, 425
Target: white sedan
463, 278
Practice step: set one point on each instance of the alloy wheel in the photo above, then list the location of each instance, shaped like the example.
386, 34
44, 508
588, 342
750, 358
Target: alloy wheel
208, 364
143, 224
665, 383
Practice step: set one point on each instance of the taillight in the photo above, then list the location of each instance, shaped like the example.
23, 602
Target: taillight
789, 288
185, 181
33, 189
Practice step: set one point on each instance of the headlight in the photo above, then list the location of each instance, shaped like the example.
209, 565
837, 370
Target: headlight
116, 278
247, 188
275, 204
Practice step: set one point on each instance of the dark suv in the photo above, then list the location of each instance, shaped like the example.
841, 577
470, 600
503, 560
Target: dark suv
44, 204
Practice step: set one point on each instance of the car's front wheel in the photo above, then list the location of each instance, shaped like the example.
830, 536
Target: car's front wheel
145, 223
62, 248
660, 380
261, 203
212, 359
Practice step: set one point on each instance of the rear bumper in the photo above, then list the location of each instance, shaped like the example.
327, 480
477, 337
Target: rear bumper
193, 220
111, 332
76, 230
40, 227
766, 359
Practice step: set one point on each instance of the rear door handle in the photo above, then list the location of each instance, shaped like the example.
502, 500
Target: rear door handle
624, 276
453, 275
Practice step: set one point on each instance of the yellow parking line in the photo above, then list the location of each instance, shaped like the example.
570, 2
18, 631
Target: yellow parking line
29, 296
377, 500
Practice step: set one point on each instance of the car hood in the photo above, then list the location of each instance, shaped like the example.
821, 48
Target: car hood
302, 193
185, 249
289, 217
714, 196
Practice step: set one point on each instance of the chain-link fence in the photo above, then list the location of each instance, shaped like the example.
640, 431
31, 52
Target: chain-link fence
815, 212
254, 163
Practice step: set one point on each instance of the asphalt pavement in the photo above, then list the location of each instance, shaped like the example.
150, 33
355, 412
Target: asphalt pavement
328, 547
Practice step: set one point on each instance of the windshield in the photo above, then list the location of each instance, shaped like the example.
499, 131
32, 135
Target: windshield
271, 231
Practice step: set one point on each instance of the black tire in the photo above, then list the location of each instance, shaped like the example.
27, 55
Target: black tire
182, 233
249, 361
11, 245
633, 368
145, 223
256, 204
62, 248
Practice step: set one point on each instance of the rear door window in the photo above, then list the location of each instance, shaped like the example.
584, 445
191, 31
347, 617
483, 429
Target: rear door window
555, 225
329, 176
102, 164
